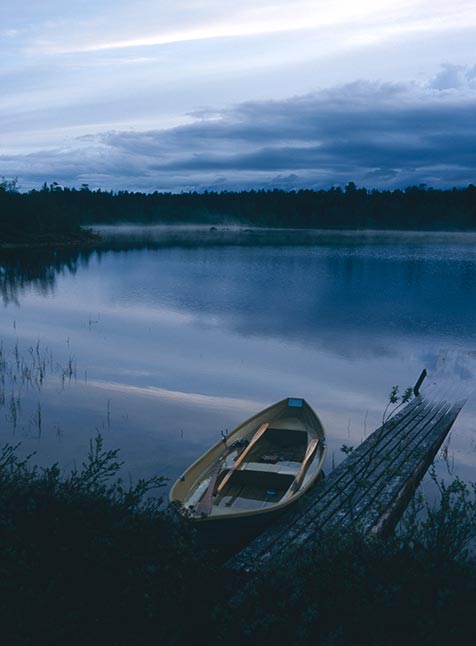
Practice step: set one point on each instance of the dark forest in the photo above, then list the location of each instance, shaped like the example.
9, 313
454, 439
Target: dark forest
55, 213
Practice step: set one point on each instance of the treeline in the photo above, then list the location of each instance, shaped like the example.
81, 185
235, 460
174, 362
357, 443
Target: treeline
51, 214
54, 211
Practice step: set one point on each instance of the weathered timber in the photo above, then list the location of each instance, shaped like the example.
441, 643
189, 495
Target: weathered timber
370, 490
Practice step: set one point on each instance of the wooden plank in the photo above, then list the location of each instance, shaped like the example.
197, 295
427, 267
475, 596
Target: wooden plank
393, 465
373, 502
383, 524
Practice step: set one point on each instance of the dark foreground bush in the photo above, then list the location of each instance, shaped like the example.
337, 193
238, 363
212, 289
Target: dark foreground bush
347, 592
84, 560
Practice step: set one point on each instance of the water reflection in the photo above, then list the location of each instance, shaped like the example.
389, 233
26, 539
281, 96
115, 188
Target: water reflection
24, 270
180, 336
329, 293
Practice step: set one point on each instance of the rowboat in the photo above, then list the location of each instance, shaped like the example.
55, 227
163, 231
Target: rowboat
258, 470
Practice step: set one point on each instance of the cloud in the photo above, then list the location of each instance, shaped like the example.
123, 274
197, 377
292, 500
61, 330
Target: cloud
376, 134
454, 77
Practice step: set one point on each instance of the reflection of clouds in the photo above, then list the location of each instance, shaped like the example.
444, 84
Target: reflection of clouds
357, 300
157, 314
201, 338
357, 295
178, 397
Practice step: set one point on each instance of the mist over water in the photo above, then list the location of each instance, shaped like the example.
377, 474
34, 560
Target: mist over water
164, 337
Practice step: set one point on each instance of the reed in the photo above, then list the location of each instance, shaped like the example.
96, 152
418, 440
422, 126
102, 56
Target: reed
29, 369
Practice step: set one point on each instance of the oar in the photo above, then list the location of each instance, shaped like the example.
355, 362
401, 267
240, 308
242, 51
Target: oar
205, 505
297, 482
243, 455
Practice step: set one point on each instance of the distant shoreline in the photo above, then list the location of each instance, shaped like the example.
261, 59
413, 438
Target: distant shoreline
85, 238
57, 214
118, 234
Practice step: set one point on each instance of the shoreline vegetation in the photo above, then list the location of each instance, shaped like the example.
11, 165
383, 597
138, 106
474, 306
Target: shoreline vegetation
56, 215
86, 558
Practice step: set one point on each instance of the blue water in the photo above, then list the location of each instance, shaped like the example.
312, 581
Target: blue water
161, 346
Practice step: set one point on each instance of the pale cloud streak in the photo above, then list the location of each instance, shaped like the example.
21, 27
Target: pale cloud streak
369, 21
244, 22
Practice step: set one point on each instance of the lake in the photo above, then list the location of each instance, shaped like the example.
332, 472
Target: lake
165, 337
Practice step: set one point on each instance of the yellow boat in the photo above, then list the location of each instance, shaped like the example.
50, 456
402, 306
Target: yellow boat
258, 470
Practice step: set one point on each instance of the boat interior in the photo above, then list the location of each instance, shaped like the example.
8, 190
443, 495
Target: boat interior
267, 472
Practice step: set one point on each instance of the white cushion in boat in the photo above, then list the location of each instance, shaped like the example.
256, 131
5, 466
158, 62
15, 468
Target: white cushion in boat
280, 467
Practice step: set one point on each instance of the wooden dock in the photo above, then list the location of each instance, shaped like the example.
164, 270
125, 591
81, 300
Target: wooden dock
370, 490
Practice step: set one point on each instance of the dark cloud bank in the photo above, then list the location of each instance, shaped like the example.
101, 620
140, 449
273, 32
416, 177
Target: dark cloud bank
378, 135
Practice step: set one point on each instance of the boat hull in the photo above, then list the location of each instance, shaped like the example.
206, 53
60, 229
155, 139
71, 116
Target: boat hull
266, 464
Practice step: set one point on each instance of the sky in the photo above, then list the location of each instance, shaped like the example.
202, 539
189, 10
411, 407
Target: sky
229, 95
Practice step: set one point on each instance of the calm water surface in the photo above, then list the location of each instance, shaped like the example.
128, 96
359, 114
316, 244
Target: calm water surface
161, 346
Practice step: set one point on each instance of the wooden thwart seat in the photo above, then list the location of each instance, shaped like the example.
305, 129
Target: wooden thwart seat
279, 467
